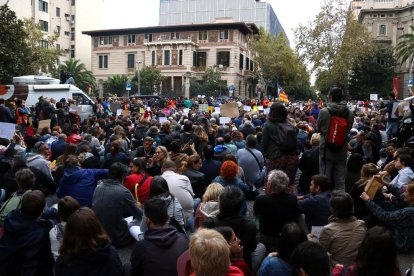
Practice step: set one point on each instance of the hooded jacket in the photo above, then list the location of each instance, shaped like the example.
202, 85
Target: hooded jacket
100, 262
25, 246
39, 162
157, 254
323, 123
206, 210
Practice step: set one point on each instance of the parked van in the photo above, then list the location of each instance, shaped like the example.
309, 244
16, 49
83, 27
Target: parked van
30, 88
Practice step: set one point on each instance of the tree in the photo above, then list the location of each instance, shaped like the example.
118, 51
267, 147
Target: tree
116, 85
405, 47
151, 80
373, 74
332, 43
213, 85
82, 76
278, 63
14, 50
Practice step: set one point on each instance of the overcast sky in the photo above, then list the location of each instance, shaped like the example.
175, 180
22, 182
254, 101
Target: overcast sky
142, 13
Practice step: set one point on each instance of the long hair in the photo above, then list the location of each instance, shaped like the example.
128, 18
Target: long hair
277, 113
83, 231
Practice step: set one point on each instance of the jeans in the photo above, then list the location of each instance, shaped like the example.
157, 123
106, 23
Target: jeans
335, 171
392, 129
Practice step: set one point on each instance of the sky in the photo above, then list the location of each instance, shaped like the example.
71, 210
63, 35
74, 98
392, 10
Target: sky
144, 13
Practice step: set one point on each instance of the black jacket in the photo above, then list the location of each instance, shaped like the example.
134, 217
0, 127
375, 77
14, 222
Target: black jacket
100, 262
198, 181
157, 254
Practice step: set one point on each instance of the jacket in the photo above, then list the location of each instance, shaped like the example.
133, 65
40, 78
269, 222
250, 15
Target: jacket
233, 271
5, 114
111, 200
198, 181
342, 238
211, 169
39, 162
206, 210
323, 124
316, 208
157, 254
99, 262
25, 246
270, 140
80, 184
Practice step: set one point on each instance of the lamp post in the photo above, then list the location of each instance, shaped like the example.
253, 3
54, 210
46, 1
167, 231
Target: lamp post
139, 78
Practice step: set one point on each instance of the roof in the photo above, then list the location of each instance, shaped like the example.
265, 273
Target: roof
243, 27
368, 10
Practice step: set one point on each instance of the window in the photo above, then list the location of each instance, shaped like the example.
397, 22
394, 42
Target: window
148, 37
382, 29
247, 63
223, 58
194, 58
105, 40
131, 39
202, 35
251, 65
103, 61
57, 12
201, 59
180, 57
72, 51
43, 44
44, 25
72, 34
72, 18
67, 33
224, 34
131, 61
167, 57
153, 58
57, 29
73, 2
43, 6
175, 36
241, 60
58, 46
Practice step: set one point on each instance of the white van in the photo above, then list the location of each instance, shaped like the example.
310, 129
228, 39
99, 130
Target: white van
30, 88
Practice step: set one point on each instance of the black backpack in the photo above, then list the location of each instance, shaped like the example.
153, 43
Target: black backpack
287, 136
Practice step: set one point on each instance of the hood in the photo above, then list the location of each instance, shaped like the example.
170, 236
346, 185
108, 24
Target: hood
162, 237
17, 225
220, 149
99, 255
33, 156
210, 209
338, 107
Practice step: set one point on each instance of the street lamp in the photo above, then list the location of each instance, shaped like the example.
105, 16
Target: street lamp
139, 77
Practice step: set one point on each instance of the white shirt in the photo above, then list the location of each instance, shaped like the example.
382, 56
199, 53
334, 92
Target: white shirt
180, 187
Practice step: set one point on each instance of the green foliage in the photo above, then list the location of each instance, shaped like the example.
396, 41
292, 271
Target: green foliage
332, 43
151, 80
210, 85
372, 75
405, 47
82, 76
116, 85
278, 63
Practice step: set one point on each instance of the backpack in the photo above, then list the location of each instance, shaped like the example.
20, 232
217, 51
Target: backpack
14, 202
287, 136
337, 132
140, 132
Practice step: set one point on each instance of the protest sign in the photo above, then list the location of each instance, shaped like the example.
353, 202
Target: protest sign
230, 110
203, 107
217, 109
166, 111
162, 119
224, 120
260, 107
118, 112
266, 110
7, 130
210, 109
247, 108
43, 124
373, 97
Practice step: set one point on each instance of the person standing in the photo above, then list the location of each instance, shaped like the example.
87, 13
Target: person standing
332, 159
392, 118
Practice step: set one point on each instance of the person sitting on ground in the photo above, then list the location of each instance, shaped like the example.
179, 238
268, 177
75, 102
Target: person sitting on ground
158, 252
279, 263
160, 156
176, 155
86, 248
210, 167
252, 162
220, 150
192, 170
25, 245
66, 206
344, 233
377, 256
209, 207
112, 201
275, 209
403, 164
310, 259
138, 182
210, 255
316, 206
115, 155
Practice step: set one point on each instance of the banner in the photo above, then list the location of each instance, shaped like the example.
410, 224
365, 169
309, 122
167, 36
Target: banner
395, 84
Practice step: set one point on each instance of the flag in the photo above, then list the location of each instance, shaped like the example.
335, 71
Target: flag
279, 90
283, 97
395, 84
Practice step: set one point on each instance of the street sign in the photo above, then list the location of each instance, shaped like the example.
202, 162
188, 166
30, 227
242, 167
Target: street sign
410, 82
128, 86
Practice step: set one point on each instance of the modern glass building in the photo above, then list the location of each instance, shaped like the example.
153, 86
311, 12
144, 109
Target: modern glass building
177, 12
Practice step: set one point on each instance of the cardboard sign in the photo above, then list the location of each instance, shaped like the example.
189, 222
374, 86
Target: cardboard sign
260, 107
373, 97
230, 110
203, 107
43, 124
217, 109
247, 108
7, 130
255, 108
141, 110
224, 120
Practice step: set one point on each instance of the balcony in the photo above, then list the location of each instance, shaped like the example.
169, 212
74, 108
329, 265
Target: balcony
165, 41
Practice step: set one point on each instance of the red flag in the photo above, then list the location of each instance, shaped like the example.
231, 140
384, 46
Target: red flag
395, 84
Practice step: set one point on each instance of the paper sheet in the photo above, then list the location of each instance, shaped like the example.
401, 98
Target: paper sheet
7, 130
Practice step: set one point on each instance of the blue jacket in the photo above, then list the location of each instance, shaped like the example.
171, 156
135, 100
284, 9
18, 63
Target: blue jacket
80, 183
25, 246
316, 208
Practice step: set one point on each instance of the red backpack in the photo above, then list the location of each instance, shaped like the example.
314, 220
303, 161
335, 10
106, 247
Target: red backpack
337, 133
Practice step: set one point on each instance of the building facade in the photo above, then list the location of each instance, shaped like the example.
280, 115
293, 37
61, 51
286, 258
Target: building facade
177, 12
67, 18
180, 52
387, 20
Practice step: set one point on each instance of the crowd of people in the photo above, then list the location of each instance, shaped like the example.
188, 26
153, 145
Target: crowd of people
307, 188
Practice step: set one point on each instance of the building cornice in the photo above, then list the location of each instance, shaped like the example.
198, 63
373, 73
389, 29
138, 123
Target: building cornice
365, 11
